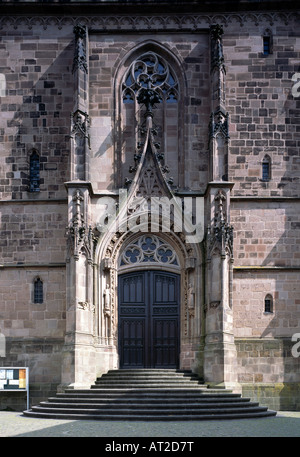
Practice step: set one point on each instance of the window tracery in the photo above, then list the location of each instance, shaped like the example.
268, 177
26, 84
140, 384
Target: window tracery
153, 72
149, 248
158, 76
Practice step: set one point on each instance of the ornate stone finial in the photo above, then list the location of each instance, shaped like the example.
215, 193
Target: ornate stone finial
221, 232
217, 56
149, 98
80, 235
80, 60
216, 31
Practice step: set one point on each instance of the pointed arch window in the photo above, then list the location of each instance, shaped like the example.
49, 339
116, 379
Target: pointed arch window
156, 69
34, 172
38, 291
266, 168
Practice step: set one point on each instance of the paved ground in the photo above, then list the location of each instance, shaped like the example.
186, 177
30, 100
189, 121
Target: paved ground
285, 424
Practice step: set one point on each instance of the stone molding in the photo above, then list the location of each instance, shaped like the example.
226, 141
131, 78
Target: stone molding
163, 22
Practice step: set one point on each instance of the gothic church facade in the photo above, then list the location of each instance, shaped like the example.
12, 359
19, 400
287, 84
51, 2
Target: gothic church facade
150, 193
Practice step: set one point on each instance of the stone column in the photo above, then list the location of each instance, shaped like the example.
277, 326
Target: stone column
219, 351
79, 353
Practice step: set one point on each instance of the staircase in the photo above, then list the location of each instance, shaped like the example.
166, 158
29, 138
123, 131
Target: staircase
148, 395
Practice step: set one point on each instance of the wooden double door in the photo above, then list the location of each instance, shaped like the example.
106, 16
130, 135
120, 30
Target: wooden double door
149, 306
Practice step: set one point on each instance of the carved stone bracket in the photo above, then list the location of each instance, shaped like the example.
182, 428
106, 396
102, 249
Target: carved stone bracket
107, 264
219, 124
190, 263
85, 305
80, 125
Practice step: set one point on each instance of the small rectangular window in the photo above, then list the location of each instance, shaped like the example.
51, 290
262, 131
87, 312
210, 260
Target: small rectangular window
267, 45
268, 308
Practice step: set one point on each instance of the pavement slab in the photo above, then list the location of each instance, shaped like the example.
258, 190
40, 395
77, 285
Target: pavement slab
284, 424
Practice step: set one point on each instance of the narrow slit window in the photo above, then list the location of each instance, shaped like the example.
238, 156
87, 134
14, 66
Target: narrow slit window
266, 169
34, 172
267, 42
38, 291
267, 45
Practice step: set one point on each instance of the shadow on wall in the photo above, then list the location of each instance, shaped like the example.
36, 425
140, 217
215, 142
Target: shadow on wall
42, 103
35, 116
282, 303
274, 353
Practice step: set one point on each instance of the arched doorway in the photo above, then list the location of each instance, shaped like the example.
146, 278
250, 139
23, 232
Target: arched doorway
149, 304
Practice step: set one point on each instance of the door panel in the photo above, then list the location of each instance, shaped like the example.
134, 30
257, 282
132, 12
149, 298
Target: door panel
149, 319
133, 289
165, 287
165, 342
133, 347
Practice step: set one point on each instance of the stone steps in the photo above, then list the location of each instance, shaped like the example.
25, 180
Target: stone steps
148, 400
140, 406
148, 395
